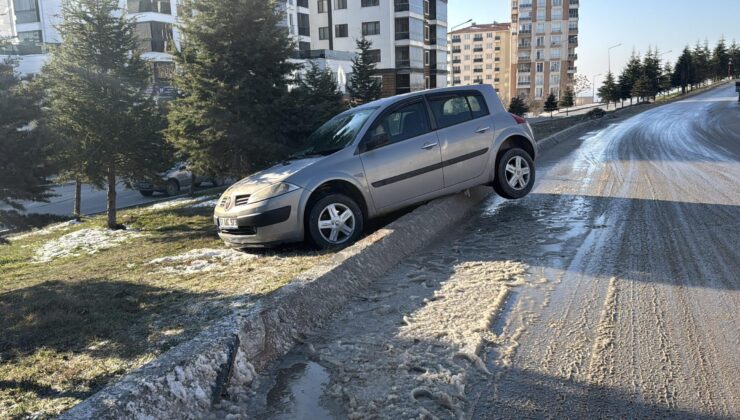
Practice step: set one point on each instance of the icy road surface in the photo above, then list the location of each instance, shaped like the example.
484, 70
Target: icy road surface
611, 291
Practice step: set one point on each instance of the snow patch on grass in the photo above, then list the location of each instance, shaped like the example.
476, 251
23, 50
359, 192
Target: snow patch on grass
210, 203
201, 261
47, 230
182, 202
83, 241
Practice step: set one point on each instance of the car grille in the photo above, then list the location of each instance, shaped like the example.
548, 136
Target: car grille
242, 230
241, 200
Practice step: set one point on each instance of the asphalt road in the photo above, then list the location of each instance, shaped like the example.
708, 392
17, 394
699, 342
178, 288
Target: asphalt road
611, 291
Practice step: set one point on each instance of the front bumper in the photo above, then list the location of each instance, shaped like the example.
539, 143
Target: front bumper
266, 223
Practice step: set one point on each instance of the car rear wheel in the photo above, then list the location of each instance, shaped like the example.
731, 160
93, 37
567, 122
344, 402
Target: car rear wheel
335, 221
173, 188
146, 193
515, 174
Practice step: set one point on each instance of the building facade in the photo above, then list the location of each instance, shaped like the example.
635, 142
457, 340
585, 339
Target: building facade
409, 38
544, 40
482, 54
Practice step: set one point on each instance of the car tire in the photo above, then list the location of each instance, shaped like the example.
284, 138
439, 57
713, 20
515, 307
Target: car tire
340, 229
515, 174
146, 193
172, 188
218, 182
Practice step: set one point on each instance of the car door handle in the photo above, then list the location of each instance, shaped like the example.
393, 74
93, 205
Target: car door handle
429, 146
482, 130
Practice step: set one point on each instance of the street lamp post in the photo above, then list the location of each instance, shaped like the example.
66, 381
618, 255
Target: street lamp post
609, 52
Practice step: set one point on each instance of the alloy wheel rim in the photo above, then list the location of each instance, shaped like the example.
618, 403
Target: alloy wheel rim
517, 173
336, 223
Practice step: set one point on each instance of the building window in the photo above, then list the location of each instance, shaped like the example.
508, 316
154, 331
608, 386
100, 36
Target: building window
324, 33
540, 67
370, 28
340, 4
426, 58
373, 56
322, 6
304, 26
31, 42
341, 31
370, 3
142, 6
154, 36
302, 3
26, 11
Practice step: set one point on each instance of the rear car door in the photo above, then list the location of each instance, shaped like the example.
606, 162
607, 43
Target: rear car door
465, 133
400, 154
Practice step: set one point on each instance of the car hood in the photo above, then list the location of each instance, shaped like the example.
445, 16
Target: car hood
277, 173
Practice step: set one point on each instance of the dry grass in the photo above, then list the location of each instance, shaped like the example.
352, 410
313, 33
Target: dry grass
72, 325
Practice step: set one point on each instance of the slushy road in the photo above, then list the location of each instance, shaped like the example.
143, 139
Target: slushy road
612, 291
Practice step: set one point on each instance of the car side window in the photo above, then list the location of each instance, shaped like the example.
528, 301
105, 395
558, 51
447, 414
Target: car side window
477, 106
402, 124
450, 110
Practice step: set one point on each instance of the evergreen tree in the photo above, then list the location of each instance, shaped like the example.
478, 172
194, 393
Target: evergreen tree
518, 106
551, 104
683, 73
629, 77
721, 60
95, 86
609, 91
702, 59
363, 87
568, 99
734, 54
315, 99
642, 88
651, 69
233, 76
665, 78
25, 146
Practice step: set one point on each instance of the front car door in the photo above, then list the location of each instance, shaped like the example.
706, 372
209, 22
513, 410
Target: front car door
465, 133
400, 154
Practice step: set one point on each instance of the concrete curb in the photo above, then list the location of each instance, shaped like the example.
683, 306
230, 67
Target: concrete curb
191, 377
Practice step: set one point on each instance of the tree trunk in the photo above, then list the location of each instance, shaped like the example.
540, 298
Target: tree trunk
77, 210
112, 197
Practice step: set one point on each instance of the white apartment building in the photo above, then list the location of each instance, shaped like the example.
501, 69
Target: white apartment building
544, 39
409, 38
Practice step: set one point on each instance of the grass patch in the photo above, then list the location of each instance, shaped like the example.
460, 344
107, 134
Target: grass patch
72, 325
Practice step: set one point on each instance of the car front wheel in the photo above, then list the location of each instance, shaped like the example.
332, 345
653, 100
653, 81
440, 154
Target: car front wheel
515, 174
172, 188
335, 221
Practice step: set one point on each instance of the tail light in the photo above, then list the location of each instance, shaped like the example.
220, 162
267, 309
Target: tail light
518, 119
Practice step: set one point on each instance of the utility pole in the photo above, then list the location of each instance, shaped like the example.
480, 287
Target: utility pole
609, 51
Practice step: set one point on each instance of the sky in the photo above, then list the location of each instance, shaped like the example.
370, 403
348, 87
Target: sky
636, 24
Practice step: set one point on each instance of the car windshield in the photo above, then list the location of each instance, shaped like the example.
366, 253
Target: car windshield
336, 133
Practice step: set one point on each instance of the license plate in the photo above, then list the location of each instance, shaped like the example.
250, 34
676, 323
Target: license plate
228, 222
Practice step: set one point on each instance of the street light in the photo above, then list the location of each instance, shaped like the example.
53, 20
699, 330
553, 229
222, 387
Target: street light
609, 51
466, 22
593, 84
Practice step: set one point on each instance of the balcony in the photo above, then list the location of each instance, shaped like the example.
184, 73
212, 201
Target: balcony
573, 3
572, 69
572, 56
526, 59
456, 61
456, 50
402, 35
455, 39
573, 30
477, 70
477, 60
478, 38
455, 71
478, 49
478, 81
525, 6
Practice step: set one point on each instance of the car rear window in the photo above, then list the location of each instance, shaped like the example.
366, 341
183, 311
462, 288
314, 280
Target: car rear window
450, 110
477, 106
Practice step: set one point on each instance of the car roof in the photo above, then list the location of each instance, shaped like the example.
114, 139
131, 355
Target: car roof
381, 103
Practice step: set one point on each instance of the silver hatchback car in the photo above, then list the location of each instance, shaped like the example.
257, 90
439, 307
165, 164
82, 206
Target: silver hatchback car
378, 158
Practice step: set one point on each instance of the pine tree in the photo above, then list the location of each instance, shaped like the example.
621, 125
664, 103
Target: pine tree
683, 73
609, 91
363, 87
518, 106
665, 78
233, 76
629, 77
721, 60
651, 69
25, 146
702, 59
734, 54
95, 86
568, 99
315, 99
642, 89
551, 104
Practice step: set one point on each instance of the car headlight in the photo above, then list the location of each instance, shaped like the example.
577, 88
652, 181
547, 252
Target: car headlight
271, 191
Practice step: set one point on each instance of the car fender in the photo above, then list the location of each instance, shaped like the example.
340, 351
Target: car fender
501, 136
352, 179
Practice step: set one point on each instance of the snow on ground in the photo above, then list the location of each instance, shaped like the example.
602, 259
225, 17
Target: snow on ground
47, 230
83, 241
183, 201
209, 203
201, 261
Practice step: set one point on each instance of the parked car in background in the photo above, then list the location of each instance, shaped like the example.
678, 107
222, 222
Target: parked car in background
378, 158
175, 180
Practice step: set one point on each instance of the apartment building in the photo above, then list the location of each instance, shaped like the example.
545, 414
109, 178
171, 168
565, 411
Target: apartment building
32, 23
544, 37
482, 54
409, 38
